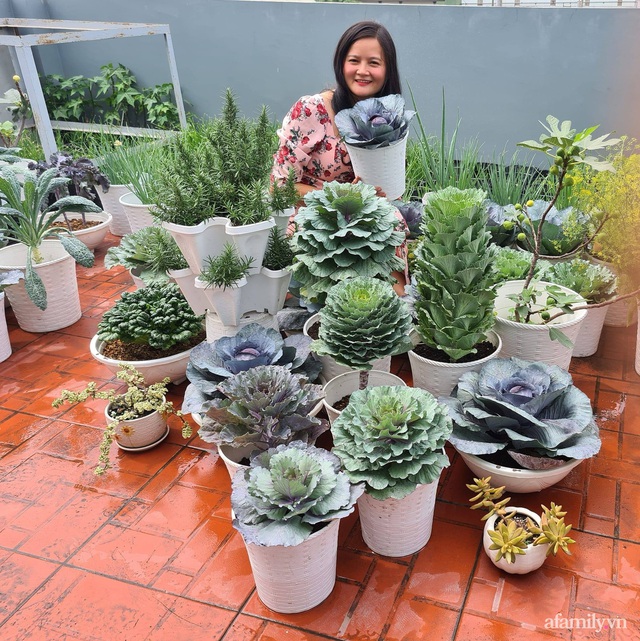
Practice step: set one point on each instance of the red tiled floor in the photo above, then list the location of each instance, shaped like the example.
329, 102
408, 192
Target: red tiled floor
149, 548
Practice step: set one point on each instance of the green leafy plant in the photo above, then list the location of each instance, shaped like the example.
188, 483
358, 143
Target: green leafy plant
392, 439
514, 264
18, 104
225, 269
139, 400
514, 533
595, 283
453, 273
344, 231
157, 315
28, 219
288, 493
286, 195
279, 253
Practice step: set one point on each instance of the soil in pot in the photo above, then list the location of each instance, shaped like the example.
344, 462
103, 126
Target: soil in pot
484, 349
501, 457
76, 224
120, 351
314, 331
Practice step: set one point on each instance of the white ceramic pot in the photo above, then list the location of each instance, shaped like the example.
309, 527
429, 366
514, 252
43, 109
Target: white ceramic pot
299, 577
226, 302
398, 527
186, 281
440, 378
251, 240
5, 344
175, 367
111, 202
518, 480
347, 383
524, 563
94, 236
216, 329
135, 277
138, 214
588, 339
231, 457
530, 341
58, 273
267, 290
282, 219
139, 433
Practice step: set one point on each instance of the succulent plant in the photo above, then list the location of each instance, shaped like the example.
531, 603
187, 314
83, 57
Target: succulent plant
453, 273
392, 438
363, 320
253, 345
531, 410
288, 493
344, 231
266, 406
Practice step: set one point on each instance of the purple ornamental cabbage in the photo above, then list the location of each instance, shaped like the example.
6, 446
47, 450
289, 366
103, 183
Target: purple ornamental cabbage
374, 122
524, 408
412, 213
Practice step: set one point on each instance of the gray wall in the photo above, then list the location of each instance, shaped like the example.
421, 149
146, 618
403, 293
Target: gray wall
502, 69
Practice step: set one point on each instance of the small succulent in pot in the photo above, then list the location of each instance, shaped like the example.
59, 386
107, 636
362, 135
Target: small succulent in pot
288, 493
263, 406
392, 439
531, 410
374, 122
253, 345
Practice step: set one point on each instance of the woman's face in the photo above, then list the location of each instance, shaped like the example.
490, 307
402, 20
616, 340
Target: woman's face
364, 68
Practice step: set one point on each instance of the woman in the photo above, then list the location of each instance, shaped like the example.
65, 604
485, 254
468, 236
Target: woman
365, 66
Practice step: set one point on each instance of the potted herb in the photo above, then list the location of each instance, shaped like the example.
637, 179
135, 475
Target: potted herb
136, 419
12, 277
292, 544
154, 329
526, 424
454, 295
283, 200
375, 131
518, 540
48, 299
392, 439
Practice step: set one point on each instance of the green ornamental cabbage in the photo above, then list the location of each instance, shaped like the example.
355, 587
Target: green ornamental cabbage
288, 493
392, 438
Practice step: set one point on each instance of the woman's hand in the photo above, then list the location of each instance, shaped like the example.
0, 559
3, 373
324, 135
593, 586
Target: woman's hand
379, 192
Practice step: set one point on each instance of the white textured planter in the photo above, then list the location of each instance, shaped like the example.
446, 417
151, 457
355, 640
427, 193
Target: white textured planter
5, 344
138, 214
282, 219
347, 383
267, 290
299, 577
524, 563
135, 277
231, 457
398, 527
58, 273
382, 167
153, 371
139, 433
226, 302
111, 202
515, 479
186, 281
216, 329
331, 369
529, 341
586, 343
252, 240
440, 378
93, 236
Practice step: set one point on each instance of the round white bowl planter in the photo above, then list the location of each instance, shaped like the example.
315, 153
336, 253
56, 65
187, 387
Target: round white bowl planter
138, 214
530, 341
533, 558
94, 236
175, 367
398, 527
518, 480
111, 202
139, 434
5, 344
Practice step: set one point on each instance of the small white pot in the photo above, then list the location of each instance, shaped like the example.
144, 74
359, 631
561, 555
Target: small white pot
186, 281
5, 344
299, 577
524, 563
111, 202
588, 339
282, 219
216, 329
267, 290
398, 527
231, 457
139, 433
94, 236
251, 240
227, 302
138, 214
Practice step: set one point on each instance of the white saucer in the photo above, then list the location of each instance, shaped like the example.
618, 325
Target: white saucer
142, 448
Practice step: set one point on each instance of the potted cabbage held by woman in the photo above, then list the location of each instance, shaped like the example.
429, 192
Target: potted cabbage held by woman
287, 506
392, 439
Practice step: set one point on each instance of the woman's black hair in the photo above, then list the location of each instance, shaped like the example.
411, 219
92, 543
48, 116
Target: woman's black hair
342, 98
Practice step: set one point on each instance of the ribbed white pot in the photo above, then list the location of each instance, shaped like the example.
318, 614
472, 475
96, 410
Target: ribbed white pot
111, 202
623, 313
216, 328
94, 236
252, 240
226, 302
299, 577
5, 344
347, 383
58, 273
138, 214
440, 378
231, 457
186, 281
398, 527
267, 290
524, 563
282, 219
588, 339
530, 341
175, 367
139, 432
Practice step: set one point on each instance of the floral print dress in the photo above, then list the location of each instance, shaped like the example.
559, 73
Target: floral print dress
309, 145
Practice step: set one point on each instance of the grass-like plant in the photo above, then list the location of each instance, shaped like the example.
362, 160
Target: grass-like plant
225, 269
279, 253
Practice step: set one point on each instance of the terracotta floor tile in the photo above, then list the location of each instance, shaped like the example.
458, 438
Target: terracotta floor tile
476, 628
481, 597
603, 597
131, 512
609, 409
597, 366
601, 497
172, 470
621, 470
18, 428
246, 628
417, 620
75, 442
587, 626
631, 419
611, 445
596, 525
85, 328
353, 565
70, 345
591, 557
172, 582
629, 511
628, 564
585, 383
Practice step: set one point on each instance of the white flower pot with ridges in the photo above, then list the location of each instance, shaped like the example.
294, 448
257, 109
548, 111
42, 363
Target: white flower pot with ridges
94, 236
588, 339
138, 214
252, 240
216, 328
5, 344
227, 302
524, 563
530, 341
138, 432
296, 578
111, 203
398, 527
267, 290
58, 273
282, 219
231, 457
186, 281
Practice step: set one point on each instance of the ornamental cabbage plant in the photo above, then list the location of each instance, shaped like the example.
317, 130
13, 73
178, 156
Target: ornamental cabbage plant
524, 408
392, 438
374, 122
288, 493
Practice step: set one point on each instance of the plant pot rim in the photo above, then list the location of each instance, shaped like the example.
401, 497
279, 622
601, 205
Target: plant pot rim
392, 144
198, 227
22, 248
96, 345
491, 336
202, 284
